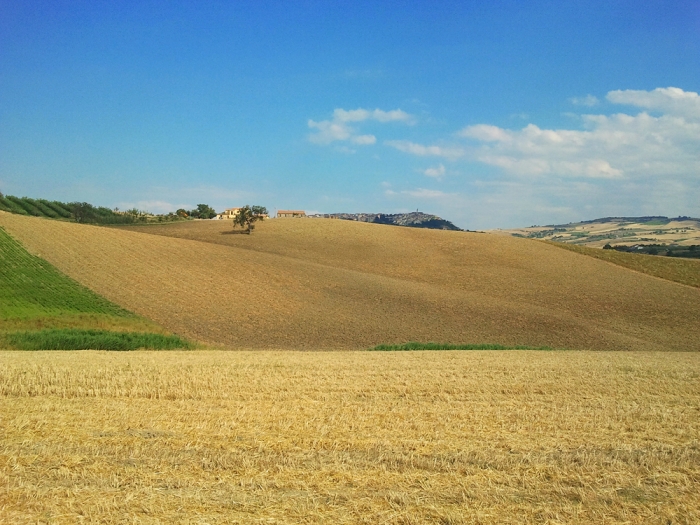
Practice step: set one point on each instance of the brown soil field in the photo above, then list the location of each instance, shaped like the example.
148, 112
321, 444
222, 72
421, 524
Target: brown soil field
510, 437
315, 284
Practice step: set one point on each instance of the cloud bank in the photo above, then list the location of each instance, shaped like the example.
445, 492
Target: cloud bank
618, 146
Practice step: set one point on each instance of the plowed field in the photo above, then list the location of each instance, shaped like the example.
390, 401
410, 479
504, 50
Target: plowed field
314, 284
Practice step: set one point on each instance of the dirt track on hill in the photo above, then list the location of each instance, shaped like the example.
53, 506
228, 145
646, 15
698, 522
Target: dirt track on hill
337, 284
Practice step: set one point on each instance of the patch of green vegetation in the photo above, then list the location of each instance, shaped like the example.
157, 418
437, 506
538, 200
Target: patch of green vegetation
81, 211
85, 212
72, 339
30, 287
413, 345
8, 204
41, 308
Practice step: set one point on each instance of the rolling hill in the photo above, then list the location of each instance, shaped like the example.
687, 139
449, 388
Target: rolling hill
329, 284
619, 231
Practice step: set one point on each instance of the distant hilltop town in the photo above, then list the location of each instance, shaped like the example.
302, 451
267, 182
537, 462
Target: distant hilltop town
414, 219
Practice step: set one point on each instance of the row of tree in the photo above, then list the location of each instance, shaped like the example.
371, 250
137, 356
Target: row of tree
86, 213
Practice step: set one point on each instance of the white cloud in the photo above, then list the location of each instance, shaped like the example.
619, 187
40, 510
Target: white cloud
339, 129
328, 131
618, 146
670, 100
407, 146
588, 100
436, 172
364, 140
423, 193
358, 115
346, 150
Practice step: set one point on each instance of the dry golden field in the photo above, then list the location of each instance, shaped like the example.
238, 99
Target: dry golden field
350, 437
315, 284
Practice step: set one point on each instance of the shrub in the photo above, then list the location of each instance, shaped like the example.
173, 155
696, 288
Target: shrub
72, 339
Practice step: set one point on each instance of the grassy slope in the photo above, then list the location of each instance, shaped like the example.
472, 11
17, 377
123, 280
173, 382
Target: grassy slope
340, 284
42, 308
684, 271
35, 294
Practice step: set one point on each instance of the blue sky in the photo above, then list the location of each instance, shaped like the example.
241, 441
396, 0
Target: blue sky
490, 114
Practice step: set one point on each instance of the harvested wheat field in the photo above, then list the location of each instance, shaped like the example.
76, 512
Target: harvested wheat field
350, 437
315, 284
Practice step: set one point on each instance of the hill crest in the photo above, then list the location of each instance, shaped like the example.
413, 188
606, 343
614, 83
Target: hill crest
414, 219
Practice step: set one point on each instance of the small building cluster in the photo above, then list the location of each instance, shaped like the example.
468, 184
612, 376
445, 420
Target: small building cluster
231, 213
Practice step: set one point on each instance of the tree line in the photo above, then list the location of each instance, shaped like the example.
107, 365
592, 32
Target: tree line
86, 213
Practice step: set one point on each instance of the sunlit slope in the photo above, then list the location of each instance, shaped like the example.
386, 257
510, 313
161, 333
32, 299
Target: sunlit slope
336, 284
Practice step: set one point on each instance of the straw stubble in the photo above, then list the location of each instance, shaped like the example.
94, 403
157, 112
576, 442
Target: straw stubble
359, 437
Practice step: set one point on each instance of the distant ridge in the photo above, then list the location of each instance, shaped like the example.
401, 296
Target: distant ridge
635, 220
414, 219
650, 234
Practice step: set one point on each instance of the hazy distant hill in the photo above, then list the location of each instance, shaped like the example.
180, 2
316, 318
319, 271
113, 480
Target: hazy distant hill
413, 219
657, 235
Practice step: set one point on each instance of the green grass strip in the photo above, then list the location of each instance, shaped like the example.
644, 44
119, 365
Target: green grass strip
30, 287
72, 339
413, 345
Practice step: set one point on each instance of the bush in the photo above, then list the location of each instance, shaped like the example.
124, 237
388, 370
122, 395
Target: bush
59, 208
14, 206
72, 339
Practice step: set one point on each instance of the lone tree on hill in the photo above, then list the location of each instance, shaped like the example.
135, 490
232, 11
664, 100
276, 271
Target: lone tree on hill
247, 215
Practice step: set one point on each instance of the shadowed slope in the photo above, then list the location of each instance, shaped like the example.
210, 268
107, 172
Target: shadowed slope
338, 284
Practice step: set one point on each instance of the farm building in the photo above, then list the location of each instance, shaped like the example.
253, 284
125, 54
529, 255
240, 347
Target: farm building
228, 213
290, 213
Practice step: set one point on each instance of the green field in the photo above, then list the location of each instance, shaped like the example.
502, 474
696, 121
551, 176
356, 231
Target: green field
42, 308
